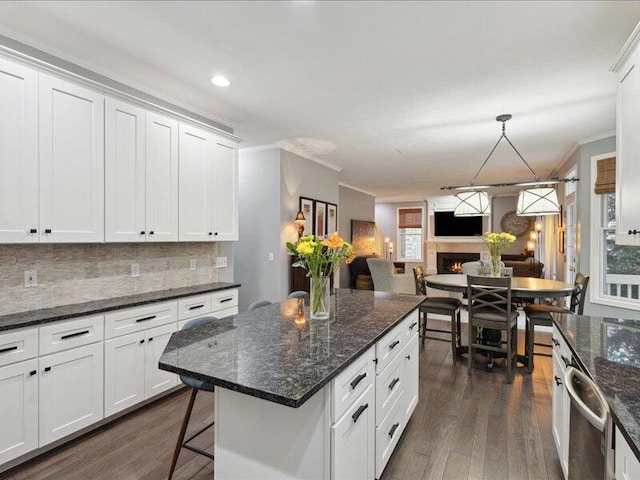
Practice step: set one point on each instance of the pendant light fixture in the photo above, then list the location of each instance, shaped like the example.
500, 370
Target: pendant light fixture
539, 200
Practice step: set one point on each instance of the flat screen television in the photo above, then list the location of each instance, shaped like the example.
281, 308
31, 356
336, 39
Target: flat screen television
448, 225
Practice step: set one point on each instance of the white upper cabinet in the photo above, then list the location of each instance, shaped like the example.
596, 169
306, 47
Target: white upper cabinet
628, 148
162, 178
18, 153
225, 190
71, 162
196, 200
141, 175
124, 172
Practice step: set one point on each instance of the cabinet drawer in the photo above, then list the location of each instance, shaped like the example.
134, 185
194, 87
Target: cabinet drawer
74, 333
410, 324
387, 435
18, 345
225, 299
193, 307
350, 384
389, 386
389, 346
139, 318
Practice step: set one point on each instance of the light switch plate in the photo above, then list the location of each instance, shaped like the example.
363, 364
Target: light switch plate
30, 278
271, 257
192, 264
135, 269
221, 262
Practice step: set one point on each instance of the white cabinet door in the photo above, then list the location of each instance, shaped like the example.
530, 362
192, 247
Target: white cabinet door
162, 179
627, 466
225, 190
352, 441
18, 153
195, 190
71, 162
124, 372
410, 376
71, 391
628, 153
124, 172
156, 380
18, 409
557, 407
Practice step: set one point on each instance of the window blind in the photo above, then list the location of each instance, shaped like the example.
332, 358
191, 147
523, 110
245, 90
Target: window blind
606, 176
410, 218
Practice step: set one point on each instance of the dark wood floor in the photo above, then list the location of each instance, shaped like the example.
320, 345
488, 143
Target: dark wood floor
476, 427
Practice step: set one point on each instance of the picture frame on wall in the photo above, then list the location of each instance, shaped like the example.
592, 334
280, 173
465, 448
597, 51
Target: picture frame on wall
332, 218
306, 207
320, 218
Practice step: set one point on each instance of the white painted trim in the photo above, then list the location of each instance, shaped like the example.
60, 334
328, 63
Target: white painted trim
304, 154
616, 302
595, 138
626, 50
259, 148
105, 89
574, 148
357, 189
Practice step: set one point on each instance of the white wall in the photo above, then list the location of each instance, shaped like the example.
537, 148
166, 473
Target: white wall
259, 223
353, 205
500, 206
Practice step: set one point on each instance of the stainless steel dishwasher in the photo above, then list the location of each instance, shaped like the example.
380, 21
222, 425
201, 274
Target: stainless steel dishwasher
590, 429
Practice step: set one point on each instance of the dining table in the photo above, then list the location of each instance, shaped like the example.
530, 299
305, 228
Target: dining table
521, 287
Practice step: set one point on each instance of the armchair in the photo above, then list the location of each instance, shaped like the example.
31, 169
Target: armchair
385, 280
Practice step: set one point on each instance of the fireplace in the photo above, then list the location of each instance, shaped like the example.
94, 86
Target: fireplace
451, 262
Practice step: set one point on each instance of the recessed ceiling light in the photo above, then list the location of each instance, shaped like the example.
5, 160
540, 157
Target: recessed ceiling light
220, 81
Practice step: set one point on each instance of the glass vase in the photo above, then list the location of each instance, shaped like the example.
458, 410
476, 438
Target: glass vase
496, 265
319, 297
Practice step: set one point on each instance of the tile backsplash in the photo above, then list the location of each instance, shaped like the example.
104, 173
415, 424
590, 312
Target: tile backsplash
76, 273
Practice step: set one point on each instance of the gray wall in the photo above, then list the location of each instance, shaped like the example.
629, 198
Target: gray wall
300, 177
387, 223
353, 205
500, 206
259, 223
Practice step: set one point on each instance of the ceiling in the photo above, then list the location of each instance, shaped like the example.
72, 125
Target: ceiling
401, 96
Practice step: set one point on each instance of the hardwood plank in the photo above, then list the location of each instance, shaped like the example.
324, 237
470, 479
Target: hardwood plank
457, 466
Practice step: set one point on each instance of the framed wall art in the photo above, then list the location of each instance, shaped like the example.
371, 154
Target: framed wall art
320, 218
306, 207
332, 218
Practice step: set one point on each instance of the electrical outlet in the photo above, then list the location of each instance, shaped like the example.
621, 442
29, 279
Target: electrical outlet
192, 264
271, 257
30, 278
135, 269
221, 262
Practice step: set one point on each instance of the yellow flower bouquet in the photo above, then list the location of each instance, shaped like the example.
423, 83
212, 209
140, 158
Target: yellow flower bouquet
320, 257
497, 244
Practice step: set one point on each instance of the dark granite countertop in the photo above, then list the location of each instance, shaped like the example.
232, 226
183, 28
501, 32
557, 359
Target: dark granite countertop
277, 353
46, 315
608, 350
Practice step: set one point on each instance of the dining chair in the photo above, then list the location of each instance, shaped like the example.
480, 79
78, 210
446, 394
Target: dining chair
196, 386
298, 294
490, 307
258, 304
385, 280
441, 306
540, 315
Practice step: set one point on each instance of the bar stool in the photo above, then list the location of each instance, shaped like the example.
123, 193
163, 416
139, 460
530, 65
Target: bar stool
258, 304
196, 386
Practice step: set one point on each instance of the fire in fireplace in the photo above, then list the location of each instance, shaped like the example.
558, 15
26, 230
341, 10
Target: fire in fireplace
451, 262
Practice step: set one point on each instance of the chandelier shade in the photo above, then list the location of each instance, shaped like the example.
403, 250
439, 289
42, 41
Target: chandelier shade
538, 201
472, 204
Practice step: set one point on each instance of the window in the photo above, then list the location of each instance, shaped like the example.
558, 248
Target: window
615, 268
410, 234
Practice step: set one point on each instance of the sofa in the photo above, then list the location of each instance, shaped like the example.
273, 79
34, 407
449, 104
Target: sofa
523, 266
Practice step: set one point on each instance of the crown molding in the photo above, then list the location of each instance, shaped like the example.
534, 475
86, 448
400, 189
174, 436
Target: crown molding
595, 138
260, 148
303, 154
400, 199
357, 189
626, 50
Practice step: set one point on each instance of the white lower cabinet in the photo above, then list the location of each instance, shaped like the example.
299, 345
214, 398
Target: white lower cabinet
560, 400
410, 375
18, 409
352, 440
131, 368
71, 391
387, 434
627, 466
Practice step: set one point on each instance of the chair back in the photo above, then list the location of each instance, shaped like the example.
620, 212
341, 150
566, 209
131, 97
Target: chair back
192, 382
381, 272
471, 268
298, 294
258, 304
491, 294
579, 293
418, 277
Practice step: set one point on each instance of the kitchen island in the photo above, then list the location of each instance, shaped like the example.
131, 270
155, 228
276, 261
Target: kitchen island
300, 398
